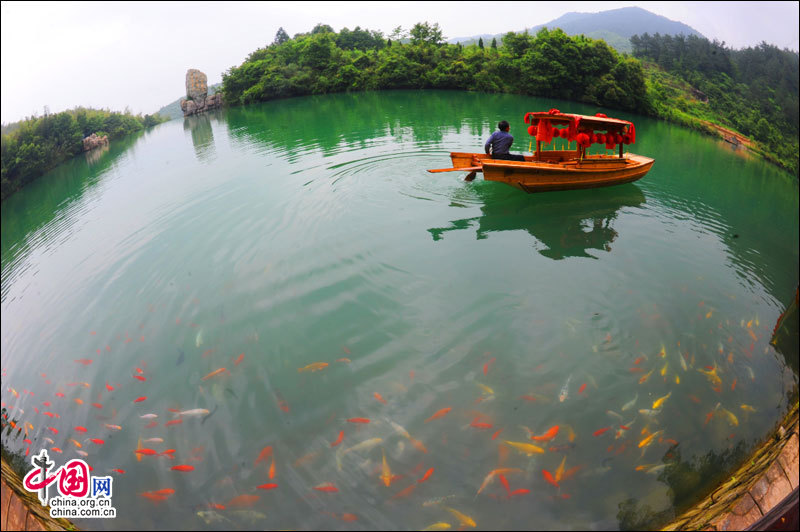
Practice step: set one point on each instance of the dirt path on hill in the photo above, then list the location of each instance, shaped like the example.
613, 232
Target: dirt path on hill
731, 136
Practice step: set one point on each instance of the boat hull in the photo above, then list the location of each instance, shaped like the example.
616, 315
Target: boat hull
541, 176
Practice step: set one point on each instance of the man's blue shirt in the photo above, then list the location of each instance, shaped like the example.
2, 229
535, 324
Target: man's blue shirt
500, 141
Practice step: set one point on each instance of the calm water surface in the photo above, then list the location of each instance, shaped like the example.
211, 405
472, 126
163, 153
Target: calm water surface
305, 231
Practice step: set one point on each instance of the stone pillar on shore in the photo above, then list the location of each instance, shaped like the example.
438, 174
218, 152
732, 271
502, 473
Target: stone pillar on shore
197, 99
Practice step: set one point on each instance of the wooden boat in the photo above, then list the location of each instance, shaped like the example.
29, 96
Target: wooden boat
563, 169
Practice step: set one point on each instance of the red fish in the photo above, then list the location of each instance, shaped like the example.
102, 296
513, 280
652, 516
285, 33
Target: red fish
326, 488
96, 441
59, 394
213, 373
56, 449
147, 452
53, 430
139, 377
358, 420
549, 478
438, 414
349, 518
165, 492
528, 397
80, 429
97, 405
270, 486
139, 370
239, 360
46, 403
339, 439
140, 399
168, 452
520, 491
379, 398
50, 414
405, 493
151, 425
547, 436
153, 496
478, 425
505, 484
109, 387
638, 360
173, 422
582, 388
265, 453
487, 364
600, 432
84, 361
183, 468
496, 433
120, 471
426, 476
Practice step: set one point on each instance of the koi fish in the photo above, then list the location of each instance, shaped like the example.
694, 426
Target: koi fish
265, 453
520, 491
563, 395
358, 420
600, 432
196, 412
496, 433
213, 373
183, 468
442, 525
526, 448
271, 473
139, 377
56, 449
76, 443
316, 366
732, 419
243, 500
547, 436
151, 425
487, 364
405, 492
239, 360
149, 416
663, 352
270, 486
582, 388
53, 430
84, 361
438, 414
339, 439
379, 398
48, 440
173, 422
97, 406
79, 401
140, 399
80, 429
747, 408
82, 453
683, 362
638, 360
649, 439
630, 404
120, 471
660, 401
504, 481
146, 452
549, 477
113, 427
154, 440
646, 376
426, 476
363, 446
386, 472
465, 520
486, 390
711, 375
326, 488
96, 441
560, 470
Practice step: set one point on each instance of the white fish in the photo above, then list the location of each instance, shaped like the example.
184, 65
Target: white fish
363, 446
750, 373
683, 362
194, 412
153, 440
82, 453
198, 340
614, 414
564, 393
630, 404
149, 416
403, 432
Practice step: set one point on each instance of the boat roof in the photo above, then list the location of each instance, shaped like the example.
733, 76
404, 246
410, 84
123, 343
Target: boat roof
596, 122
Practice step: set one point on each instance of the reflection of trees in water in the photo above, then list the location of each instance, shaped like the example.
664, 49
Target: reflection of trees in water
93, 156
202, 135
568, 223
689, 482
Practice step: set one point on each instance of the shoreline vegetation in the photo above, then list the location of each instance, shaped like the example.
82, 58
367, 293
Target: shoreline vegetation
748, 97
35, 145
743, 94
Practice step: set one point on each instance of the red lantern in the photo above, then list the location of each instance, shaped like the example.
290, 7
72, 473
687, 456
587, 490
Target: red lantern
563, 133
601, 115
618, 138
555, 132
601, 139
532, 131
583, 140
626, 138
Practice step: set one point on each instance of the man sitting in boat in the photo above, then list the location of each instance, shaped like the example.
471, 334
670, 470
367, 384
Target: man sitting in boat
500, 142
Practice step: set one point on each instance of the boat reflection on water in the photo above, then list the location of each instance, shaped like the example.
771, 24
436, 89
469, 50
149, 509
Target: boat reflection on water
569, 223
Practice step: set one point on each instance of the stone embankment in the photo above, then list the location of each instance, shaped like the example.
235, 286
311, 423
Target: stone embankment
197, 99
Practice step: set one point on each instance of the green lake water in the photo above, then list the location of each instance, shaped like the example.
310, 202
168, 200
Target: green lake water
307, 231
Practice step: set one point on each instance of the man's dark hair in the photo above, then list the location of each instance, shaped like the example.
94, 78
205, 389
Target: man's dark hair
503, 125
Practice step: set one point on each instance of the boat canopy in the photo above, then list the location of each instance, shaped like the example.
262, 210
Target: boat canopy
580, 128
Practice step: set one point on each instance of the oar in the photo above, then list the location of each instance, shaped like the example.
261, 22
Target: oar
462, 169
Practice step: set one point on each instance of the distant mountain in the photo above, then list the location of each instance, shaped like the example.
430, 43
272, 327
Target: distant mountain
615, 26
173, 110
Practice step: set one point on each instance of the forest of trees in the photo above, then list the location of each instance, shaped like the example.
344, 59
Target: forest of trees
35, 145
550, 64
753, 91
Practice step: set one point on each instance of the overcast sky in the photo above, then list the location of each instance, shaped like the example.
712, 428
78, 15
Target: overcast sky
118, 54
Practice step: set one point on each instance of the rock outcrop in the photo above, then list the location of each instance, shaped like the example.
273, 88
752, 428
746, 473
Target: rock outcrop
93, 141
197, 99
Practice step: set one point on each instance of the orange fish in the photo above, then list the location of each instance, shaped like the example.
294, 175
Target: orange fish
549, 478
379, 398
339, 439
487, 364
113, 427
173, 422
168, 452
59, 394
51, 429
265, 453
267, 486
418, 444
549, 435
79, 401
343, 359
140, 399
358, 420
272, 469
638, 360
139, 377
97, 405
404, 493
478, 425
96, 441
243, 500
153, 496
496, 433
145, 451
120, 471
182, 468
504, 481
213, 373
520, 491
315, 366
239, 360
733, 384
600, 432
109, 387
327, 488
349, 518
165, 492
426, 476
56, 449
439, 414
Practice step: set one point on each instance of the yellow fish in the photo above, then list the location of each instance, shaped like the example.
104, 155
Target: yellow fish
663, 352
527, 448
732, 419
465, 520
438, 526
486, 389
711, 375
660, 401
315, 366
646, 376
570, 434
386, 474
648, 440
76, 443
677, 380
492, 473
138, 455
747, 408
560, 470
709, 314
664, 369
